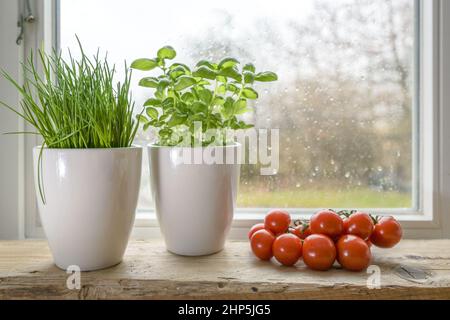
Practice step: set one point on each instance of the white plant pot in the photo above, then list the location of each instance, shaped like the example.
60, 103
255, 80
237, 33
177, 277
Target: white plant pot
194, 202
91, 197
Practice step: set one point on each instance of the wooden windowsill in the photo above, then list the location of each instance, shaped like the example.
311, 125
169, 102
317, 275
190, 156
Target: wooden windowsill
414, 269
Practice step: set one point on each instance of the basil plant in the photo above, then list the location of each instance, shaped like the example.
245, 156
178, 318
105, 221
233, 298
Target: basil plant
212, 93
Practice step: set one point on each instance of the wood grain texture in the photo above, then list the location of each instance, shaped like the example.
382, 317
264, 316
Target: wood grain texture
414, 269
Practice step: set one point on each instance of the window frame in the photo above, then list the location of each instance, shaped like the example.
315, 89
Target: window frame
432, 217
12, 214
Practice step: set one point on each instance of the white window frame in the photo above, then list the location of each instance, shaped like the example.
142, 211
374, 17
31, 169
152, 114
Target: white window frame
432, 217
12, 199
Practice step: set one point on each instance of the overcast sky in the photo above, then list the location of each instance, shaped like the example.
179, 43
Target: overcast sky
139, 27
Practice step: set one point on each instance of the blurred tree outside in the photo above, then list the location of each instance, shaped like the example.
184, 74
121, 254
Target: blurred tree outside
343, 103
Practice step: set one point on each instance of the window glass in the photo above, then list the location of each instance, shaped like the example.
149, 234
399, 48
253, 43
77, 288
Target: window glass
344, 101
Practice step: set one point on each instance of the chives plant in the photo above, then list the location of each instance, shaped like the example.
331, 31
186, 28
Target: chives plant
75, 103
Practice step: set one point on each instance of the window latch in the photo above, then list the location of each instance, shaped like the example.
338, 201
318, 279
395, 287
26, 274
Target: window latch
27, 18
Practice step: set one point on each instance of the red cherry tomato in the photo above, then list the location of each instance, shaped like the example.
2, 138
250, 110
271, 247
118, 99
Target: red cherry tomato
345, 223
319, 252
359, 224
261, 243
326, 222
277, 221
256, 227
287, 249
301, 232
386, 233
353, 253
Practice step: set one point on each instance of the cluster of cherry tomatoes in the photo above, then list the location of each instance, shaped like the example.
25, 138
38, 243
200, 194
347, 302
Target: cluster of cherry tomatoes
329, 236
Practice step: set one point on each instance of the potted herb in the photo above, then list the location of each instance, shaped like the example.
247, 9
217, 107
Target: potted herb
87, 173
193, 111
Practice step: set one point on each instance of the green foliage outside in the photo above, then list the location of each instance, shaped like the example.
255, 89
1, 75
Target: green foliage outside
318, 198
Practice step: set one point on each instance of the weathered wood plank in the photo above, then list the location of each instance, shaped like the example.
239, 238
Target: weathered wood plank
414, 269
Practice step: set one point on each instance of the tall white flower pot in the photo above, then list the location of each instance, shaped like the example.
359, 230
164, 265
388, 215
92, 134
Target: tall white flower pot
90, 202
194, 201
